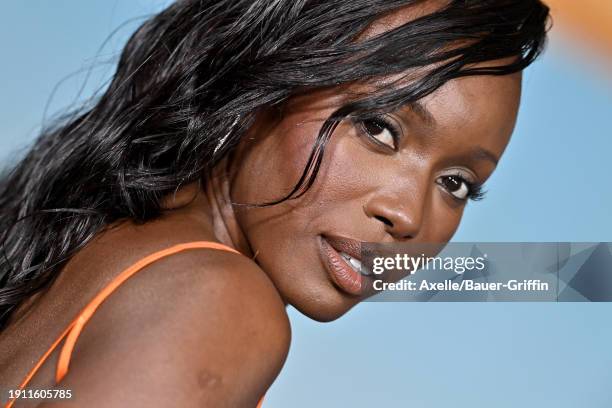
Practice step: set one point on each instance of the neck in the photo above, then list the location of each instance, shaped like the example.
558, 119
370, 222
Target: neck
211, 207
222, 215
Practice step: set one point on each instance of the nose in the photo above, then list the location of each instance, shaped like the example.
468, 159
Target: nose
401, 219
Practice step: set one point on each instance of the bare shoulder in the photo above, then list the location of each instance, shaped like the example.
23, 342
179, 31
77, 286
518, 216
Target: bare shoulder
202, 327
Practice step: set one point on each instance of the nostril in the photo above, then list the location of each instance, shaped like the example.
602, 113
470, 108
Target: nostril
384, 220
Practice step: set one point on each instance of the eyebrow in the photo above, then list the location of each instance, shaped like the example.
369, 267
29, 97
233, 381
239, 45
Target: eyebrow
480, 153
421, 111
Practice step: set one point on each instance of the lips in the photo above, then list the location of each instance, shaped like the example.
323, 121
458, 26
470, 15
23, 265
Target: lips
342, 274
346, 245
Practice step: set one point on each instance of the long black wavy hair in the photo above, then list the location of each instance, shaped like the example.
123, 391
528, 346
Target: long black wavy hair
188, 85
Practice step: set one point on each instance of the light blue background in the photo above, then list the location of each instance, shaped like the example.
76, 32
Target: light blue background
553, 184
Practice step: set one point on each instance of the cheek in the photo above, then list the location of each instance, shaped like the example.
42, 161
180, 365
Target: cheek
272, 166
445, 217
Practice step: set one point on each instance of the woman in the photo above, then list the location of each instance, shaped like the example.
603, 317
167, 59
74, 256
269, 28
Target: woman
273, 137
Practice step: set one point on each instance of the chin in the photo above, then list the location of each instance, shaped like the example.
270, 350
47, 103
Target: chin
325, 307
323, 314
308, 284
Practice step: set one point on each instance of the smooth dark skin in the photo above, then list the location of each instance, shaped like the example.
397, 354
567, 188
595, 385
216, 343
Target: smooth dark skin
207, 328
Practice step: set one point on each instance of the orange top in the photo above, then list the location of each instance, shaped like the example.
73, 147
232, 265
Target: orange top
71, 333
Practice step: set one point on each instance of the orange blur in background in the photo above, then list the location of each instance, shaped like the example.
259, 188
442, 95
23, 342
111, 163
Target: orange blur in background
585, 22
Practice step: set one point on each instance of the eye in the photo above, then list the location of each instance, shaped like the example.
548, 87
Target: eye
460, 188
381, 131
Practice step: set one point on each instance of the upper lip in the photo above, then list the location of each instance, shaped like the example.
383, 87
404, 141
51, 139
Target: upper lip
347, 245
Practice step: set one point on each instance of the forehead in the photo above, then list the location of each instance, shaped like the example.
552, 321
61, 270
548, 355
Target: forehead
466, 111
474, 110
480, 109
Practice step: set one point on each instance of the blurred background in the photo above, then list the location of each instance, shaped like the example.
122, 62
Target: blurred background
553, 184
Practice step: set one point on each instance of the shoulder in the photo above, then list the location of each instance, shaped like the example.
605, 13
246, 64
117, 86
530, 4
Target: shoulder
202, 325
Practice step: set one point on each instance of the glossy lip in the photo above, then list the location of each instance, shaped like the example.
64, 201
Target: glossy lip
341, 273
346, 245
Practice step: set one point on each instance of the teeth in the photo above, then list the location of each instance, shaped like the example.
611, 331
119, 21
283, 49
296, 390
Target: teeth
355, 264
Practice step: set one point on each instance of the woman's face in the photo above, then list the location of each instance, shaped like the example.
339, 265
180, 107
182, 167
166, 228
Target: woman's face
367, 189
372, 186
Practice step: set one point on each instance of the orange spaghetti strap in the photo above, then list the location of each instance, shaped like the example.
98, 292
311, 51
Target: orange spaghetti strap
88, 311
74, 328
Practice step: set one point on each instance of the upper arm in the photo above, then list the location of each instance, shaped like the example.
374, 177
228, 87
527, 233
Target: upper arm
190, 330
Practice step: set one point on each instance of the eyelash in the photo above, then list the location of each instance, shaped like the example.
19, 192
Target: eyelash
476, 191
384, 123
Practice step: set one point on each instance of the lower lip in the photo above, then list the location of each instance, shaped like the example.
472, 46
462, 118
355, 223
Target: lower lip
345, 277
